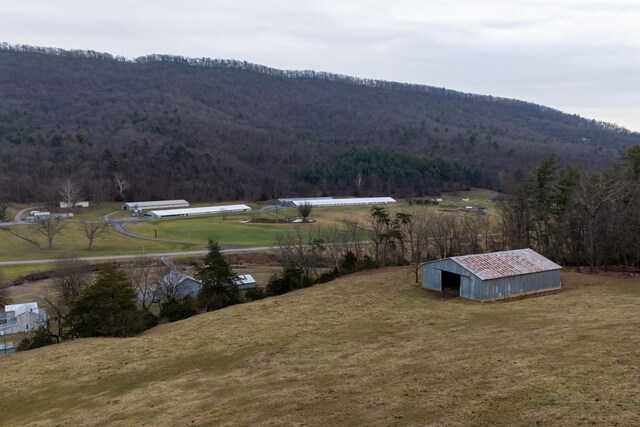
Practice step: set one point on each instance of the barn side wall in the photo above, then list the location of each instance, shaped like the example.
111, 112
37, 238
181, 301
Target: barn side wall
507, 287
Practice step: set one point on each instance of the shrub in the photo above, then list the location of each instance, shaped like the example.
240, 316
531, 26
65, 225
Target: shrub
41, 338
177, 309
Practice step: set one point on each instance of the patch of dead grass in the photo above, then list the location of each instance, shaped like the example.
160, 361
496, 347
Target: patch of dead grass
368, 349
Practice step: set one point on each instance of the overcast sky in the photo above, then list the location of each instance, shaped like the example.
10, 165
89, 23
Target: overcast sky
579, 56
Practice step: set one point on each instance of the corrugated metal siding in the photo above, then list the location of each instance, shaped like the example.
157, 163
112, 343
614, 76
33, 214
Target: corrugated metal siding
507, 287
473, 287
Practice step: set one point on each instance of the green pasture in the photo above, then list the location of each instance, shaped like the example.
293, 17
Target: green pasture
192, 233
72, 243
228, 230
231, 230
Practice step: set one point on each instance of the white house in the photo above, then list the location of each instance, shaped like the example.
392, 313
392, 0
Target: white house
22, 318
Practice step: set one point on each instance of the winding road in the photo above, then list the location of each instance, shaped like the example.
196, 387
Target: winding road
134, 256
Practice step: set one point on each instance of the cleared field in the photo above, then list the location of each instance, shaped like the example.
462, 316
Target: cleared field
231, 231
72, 243
370, 349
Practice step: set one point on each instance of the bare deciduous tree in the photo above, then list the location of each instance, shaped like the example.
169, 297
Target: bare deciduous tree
444, 230
70, 278
145, 273
50, 227
4, 205
594, 193
359, 180
304, 210
69, 193
4, 297
416, 230
122, 185
93, 230
354, 231
171, 285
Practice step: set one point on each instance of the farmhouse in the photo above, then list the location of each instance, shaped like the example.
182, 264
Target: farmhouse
158, 204
492, 276
207, 210
19, 318
181, 285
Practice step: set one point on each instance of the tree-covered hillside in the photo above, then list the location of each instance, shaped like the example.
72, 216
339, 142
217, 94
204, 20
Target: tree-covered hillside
206, 129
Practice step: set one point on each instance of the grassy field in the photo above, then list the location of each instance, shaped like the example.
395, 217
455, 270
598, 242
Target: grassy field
370, 349
231, 232
72, 243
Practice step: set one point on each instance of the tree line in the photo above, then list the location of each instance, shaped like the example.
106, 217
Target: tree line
571, 216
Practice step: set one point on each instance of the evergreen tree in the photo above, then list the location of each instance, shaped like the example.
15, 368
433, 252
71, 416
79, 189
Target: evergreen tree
106, 308
219, 282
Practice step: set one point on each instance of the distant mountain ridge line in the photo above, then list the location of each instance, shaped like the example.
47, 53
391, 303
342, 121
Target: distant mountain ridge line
302, 74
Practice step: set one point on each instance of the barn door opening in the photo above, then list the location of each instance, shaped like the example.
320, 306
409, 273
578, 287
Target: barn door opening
450, 283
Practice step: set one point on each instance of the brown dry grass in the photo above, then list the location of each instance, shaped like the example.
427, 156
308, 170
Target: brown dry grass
370, 349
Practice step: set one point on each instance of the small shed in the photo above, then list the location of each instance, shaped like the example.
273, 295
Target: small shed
492, 276
245, 281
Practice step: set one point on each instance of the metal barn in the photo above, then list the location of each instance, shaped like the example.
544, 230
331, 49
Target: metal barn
492, 276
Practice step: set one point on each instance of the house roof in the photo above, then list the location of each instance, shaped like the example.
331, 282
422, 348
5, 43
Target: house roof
175, 277
21, 308
505, 264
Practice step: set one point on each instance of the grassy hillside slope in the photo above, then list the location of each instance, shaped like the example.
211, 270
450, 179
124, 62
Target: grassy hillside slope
370, 349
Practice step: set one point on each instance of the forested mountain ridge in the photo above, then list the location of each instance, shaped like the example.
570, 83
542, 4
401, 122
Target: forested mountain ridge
207, 129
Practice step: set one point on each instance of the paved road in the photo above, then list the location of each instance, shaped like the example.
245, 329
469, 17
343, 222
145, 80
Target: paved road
133, 256
18, 219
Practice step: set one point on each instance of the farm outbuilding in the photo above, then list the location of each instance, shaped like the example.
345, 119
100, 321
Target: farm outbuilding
492, 276
291, 201
245, 281
206, 210
157, 204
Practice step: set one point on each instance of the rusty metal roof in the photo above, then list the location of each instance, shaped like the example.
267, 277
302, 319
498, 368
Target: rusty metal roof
505, 264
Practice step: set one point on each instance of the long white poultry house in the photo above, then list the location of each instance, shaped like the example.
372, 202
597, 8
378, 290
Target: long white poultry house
354, 201
206, 210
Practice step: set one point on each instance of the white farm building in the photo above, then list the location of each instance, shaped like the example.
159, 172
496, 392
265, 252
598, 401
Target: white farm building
207, 210
158, 204
353, 201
